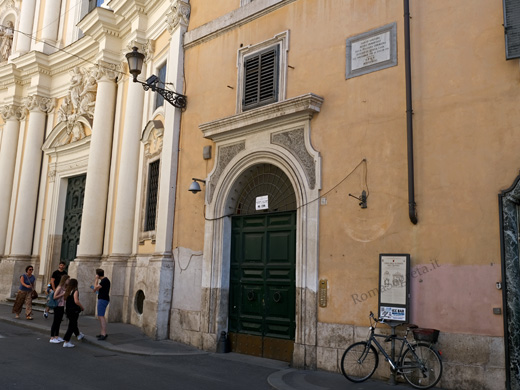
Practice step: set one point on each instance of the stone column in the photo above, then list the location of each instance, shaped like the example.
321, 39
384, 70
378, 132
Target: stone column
23, 42
98, 171
124, 218
162, 265
11, 115
128, 171
27, 199
90, 246
51, 19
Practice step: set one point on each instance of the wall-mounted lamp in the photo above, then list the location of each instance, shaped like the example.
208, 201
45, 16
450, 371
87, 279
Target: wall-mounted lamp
135, 64
195, 187
362, 199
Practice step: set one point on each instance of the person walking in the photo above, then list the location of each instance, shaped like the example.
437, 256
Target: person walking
55, 281
24, 293
72, 307
102, 287
59, 295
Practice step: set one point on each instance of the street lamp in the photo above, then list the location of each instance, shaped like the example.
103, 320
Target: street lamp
195, 187
135, 64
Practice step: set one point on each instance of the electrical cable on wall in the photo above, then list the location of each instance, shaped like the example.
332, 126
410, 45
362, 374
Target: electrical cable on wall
319, 197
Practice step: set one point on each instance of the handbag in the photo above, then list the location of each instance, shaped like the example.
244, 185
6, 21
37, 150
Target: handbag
34, 294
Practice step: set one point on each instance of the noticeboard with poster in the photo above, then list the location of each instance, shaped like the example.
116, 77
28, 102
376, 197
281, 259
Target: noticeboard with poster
394, 287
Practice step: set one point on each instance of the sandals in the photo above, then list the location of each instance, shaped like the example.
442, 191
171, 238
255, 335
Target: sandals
29, 318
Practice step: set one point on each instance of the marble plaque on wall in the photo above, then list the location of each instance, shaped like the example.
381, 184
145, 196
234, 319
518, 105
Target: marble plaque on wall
371, 51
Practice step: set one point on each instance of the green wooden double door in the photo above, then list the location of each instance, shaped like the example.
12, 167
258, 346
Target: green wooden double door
262, 285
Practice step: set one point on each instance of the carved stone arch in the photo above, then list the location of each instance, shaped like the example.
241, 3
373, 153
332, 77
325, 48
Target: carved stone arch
217, 251
69, 132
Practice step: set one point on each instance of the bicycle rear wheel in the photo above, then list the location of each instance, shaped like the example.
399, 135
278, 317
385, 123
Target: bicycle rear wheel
422, 367
359, 362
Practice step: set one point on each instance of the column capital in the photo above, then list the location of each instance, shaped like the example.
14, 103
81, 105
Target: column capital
12, 112
106, 71
178, 15
39, 103
146, 48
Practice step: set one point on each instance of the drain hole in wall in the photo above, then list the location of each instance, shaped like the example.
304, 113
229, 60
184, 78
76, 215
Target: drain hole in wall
139, 301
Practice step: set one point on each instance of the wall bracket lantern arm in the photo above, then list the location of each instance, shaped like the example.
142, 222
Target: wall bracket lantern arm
135, 65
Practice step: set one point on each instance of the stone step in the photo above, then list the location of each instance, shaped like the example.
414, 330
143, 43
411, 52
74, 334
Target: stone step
38, 304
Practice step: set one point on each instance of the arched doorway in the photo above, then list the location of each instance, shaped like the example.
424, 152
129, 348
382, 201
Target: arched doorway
262, 291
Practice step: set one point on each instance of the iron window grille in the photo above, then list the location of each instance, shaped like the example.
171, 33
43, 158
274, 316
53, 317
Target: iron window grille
151, 196
261, 78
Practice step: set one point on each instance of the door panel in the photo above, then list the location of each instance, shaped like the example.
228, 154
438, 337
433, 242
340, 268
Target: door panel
262, 283
72, 218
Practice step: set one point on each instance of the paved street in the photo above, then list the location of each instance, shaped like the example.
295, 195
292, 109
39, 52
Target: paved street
130, 360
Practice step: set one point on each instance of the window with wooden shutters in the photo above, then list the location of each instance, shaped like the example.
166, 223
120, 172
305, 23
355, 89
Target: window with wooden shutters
261, 79
512, 28
151, 196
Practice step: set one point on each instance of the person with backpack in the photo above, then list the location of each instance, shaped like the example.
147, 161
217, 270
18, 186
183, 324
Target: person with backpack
59, 297
54, 283
72, 307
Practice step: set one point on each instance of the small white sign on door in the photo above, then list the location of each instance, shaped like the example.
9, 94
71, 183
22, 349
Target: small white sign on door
262, 202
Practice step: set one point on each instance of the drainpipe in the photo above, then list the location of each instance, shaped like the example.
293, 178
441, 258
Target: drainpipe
412, 211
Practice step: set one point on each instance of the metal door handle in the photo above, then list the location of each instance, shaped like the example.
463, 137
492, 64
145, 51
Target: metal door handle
250, 295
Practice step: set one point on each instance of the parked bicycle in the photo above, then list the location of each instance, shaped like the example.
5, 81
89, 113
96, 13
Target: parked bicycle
418, 362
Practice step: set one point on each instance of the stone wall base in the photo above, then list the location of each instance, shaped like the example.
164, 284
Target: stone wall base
470, 362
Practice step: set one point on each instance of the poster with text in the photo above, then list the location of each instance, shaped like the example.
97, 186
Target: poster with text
394, 289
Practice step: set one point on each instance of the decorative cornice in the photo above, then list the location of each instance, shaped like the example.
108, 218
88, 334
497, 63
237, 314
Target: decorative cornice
178, 15
236, 18
249, 121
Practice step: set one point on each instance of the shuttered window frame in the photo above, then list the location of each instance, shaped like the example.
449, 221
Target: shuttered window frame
280, 43
512, 28
261, 78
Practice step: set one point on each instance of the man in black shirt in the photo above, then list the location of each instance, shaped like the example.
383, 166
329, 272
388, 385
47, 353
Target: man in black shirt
56, 275
102, 286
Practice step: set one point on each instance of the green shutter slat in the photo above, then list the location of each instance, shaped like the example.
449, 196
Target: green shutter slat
512, 28
260, 79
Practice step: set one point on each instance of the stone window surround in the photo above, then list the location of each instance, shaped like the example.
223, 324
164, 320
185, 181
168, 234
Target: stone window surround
149, 157
280, 39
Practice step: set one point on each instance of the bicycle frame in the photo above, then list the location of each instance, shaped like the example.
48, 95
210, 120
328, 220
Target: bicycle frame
396, 365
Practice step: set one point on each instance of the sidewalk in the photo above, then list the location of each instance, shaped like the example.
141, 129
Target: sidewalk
126, 338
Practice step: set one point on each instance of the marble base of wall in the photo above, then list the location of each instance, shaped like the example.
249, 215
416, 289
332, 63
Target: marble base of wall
470, 362
115, 270
185, 327
83, 268
154, 277
10, 270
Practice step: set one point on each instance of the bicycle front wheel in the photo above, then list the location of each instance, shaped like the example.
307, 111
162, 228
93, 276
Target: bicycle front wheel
421, 366
359, 362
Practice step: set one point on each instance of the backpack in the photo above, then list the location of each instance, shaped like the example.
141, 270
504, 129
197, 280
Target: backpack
51, 302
